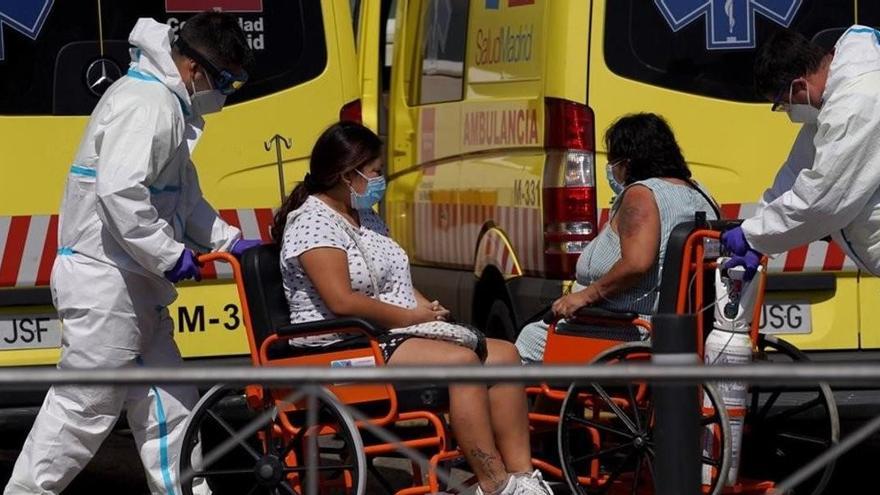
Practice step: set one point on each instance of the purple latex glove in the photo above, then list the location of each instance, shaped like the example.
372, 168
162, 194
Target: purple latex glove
187, 266
750, 261
734, 240
242, 245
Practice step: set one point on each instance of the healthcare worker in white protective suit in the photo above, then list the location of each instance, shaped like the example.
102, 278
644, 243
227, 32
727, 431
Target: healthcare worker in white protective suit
830, 184
131, 213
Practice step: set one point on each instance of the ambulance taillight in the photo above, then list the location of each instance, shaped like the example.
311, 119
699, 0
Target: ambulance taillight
569, 188
351, 112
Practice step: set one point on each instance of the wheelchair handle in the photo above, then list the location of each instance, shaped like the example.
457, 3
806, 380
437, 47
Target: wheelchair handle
217, 256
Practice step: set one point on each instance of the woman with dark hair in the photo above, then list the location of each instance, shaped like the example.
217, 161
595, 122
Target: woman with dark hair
338, 260
620, 269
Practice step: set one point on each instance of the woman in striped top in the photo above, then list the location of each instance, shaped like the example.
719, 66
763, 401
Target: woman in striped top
620, 270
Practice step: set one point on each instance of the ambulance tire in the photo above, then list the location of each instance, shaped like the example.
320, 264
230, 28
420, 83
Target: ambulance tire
499, 321
237, 459
788, 426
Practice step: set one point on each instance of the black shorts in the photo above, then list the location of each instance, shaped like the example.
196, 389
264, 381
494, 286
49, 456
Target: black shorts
389, 343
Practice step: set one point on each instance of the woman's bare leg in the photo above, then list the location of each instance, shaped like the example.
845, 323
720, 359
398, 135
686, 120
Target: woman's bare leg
468, 408
509, 409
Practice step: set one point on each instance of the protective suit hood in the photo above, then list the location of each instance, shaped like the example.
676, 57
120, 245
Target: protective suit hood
152, 55
857, 52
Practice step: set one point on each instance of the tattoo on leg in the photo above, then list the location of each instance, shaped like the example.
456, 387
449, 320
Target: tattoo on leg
492, 465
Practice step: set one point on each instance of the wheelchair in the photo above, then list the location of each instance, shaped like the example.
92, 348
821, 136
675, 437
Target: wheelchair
258, 440
604, 435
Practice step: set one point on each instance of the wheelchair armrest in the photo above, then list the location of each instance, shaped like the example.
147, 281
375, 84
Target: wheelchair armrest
605, 314
593, 312
323, 326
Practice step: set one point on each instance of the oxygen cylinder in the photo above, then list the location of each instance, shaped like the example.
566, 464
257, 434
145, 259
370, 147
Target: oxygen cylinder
729, 343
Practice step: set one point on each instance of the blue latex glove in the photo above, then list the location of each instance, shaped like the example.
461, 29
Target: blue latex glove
187, 266
242, 245
750, 261
734, 240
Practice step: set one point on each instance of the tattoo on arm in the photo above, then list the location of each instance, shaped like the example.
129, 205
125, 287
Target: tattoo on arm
630, 218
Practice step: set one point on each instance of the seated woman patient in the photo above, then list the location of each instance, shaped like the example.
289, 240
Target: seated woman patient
620, 270
338, 260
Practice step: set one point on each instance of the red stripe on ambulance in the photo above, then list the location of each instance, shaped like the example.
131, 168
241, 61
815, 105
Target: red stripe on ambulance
15, 241
443, 233
834, 258
795, 259
50, 247
730, 211
264, 222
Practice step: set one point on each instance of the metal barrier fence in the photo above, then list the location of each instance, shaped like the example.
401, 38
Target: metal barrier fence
307, 378
768, 374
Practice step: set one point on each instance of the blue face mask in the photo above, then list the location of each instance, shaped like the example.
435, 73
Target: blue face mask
372, 194
616, 186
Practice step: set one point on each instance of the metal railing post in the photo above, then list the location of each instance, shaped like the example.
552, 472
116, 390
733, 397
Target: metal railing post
677, 409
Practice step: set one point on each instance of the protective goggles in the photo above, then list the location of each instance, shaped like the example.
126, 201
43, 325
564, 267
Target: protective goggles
224, 81
779, 103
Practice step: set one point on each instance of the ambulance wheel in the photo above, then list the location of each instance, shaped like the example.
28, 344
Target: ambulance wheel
606, 433
499, 321
788, 426
234, 449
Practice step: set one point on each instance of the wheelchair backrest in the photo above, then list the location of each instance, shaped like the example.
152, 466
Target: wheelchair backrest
674, 263
261, 271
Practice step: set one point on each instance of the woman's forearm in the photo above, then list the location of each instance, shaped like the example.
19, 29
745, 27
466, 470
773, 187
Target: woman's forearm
620, 277
373, 310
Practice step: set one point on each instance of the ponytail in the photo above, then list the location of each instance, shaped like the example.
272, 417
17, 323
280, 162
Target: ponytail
294, 200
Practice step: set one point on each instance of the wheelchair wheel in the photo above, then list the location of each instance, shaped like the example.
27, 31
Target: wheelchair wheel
606, 433
230, 448
787, 427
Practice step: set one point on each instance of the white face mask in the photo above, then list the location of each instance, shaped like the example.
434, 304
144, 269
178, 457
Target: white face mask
801, 113
206, 101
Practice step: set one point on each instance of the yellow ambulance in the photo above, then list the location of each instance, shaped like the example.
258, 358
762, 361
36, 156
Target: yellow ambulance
497, 109
56, 58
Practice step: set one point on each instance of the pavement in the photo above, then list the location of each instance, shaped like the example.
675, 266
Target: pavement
117, 469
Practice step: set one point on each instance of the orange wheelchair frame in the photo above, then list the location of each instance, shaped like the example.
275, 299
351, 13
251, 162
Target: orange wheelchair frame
624, 414
584, 416
258, 281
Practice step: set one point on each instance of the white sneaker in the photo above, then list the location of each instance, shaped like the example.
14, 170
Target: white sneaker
532, 484
510, 488
524, 484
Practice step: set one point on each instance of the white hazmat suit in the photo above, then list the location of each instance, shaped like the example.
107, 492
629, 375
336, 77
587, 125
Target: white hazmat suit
131, 204
830, 184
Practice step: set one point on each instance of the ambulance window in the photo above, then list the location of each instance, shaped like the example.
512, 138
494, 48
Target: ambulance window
355, 16
62, 70
390, 27
869, 14
640, 44
443, 32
